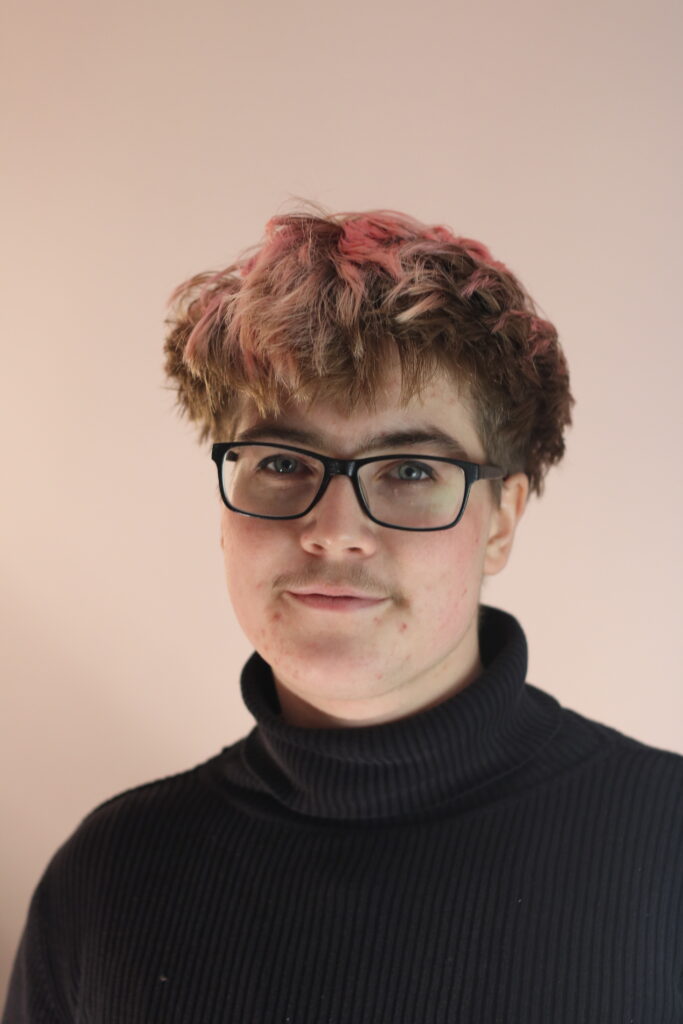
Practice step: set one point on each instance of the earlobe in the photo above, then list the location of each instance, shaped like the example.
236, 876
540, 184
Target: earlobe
504, 521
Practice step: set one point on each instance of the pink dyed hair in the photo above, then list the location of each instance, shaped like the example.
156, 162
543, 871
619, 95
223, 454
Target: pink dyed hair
324, 304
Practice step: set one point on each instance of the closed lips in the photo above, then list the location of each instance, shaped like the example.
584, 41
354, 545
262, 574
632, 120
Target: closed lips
337, 592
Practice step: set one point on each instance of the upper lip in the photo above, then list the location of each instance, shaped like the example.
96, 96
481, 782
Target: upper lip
327, 591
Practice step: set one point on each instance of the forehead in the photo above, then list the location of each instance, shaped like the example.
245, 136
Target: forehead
439, 414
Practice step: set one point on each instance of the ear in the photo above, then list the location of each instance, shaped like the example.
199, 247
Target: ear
504, 519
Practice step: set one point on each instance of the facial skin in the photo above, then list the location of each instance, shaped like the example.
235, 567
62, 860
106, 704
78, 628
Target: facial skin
419, 644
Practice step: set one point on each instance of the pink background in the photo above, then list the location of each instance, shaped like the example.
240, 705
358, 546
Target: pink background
151, 140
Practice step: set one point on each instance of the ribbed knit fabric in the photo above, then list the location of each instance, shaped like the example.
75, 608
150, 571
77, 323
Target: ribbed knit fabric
496, 859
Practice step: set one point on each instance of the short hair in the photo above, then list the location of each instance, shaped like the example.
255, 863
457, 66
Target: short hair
322, 306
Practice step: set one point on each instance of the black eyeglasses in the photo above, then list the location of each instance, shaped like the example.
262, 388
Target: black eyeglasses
402, 492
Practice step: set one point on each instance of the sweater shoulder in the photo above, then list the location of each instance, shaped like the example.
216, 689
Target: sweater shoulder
138, 819
649, 767
109, 856
622, 742
162, 791
157, 796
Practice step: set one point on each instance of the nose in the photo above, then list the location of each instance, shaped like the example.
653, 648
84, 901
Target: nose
337, 525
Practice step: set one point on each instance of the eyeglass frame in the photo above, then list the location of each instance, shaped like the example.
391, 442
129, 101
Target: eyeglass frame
473, 471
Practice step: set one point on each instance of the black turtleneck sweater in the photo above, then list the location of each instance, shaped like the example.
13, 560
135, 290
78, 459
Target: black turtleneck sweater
495, 858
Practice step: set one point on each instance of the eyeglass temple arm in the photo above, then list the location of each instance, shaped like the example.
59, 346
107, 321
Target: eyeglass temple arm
492, 473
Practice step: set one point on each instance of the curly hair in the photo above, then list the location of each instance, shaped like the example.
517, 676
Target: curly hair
323, 304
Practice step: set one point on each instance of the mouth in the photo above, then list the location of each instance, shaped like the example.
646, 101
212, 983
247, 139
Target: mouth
341, 601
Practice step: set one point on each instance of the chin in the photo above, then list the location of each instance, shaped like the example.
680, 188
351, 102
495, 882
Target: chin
330, 671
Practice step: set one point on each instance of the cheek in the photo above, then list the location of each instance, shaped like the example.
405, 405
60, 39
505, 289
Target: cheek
248, 563
451, 569
246, 557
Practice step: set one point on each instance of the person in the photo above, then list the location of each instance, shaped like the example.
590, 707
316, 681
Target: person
412, 833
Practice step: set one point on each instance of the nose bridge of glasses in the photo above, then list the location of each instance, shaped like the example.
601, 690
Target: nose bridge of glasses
340, 467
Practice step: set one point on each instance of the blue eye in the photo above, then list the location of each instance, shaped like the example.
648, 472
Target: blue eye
414, 472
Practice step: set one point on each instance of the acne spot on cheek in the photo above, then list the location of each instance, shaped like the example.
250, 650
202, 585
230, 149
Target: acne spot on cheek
403, 627
276, 616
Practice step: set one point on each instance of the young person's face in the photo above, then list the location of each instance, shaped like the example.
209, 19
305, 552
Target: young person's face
417, 644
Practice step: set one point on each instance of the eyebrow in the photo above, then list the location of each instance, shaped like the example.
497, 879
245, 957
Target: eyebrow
395, 439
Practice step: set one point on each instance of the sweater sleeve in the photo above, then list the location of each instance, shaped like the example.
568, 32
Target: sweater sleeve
36, 992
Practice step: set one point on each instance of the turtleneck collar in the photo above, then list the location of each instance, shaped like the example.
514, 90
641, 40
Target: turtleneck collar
411, 766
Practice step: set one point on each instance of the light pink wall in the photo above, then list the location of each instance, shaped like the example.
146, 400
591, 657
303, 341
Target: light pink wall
151, 140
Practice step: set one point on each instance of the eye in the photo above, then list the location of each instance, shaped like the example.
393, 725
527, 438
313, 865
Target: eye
282, 464
412, 472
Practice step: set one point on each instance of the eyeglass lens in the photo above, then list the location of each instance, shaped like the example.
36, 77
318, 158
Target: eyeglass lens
419, 493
